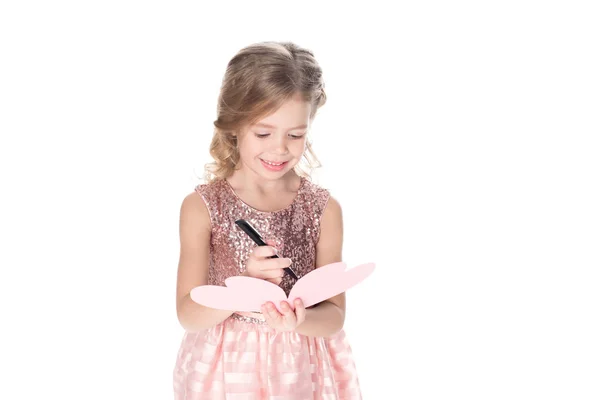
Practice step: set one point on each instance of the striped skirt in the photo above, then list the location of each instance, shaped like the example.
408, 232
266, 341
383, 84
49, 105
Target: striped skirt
243, 358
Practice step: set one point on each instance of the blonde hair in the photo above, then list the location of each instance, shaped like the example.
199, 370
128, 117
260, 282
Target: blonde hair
257, 81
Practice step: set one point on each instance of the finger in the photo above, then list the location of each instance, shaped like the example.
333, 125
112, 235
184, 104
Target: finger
272, 274
275, 263
276, 281
289, 317
271, 242
267, 316
263, 251
271, 312
300, 311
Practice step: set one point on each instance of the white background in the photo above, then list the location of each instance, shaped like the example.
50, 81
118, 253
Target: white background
461, 139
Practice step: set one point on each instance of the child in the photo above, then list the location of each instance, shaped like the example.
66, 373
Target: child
269, 97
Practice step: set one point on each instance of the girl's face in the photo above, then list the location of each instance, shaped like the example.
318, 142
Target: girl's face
274, 145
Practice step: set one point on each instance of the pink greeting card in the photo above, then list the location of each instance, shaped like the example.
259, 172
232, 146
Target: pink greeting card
242, 293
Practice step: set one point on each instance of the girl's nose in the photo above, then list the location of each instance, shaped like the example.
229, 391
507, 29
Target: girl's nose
280, 146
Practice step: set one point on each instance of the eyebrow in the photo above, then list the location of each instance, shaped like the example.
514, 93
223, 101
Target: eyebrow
274, 127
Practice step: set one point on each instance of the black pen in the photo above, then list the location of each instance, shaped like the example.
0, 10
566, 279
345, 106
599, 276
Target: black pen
254, 235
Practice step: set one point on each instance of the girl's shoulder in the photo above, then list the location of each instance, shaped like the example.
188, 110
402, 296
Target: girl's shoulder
313, 188
213, 195
211, 190
315, 195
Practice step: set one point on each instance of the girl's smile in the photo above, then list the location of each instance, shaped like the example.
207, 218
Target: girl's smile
273, 166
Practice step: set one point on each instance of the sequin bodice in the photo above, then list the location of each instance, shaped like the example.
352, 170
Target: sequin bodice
295, 229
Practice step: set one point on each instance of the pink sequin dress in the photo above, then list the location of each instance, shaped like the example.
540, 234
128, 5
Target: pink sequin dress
242, 357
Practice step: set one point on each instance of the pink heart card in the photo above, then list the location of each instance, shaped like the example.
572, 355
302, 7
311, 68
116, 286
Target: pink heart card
246, 294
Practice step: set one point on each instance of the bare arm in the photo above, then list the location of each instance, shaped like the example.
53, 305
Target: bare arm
194, 235
328, 317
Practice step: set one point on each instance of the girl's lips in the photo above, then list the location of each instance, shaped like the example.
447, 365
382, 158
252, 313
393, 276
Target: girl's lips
273, 166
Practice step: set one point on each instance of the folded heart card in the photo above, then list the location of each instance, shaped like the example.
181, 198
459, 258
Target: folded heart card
246, 294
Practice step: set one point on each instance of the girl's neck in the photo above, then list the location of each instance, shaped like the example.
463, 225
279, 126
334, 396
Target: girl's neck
248, 181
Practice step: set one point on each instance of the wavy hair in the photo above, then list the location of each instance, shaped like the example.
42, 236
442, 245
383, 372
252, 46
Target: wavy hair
257, 81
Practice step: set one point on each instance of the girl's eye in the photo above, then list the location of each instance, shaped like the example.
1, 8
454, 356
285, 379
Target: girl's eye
264, 135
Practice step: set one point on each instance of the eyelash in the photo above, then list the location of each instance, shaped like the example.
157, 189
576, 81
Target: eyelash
264, 135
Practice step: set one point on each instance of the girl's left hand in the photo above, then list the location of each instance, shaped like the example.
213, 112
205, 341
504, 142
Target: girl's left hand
286, 321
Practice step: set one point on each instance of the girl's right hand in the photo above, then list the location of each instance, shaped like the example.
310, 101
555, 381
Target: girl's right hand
259, 265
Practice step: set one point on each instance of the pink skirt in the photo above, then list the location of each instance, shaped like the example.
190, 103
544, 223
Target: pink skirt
243, 358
